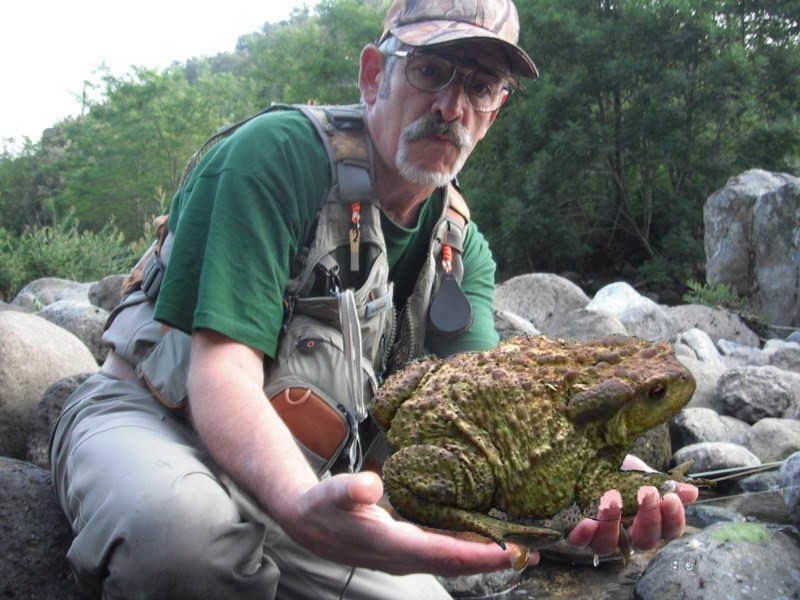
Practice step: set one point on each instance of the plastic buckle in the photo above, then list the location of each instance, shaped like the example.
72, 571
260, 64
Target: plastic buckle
152, 277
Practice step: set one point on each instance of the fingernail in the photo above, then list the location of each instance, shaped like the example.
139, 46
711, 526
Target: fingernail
517, 556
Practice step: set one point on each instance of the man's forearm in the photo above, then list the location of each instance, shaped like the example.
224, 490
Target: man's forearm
239, 427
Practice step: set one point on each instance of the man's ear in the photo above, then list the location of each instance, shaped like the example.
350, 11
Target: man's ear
370, 74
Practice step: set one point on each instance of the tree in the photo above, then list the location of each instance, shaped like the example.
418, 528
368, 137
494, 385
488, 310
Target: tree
642, 110
125, 157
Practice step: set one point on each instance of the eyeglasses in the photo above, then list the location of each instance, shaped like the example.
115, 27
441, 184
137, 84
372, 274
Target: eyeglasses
486, 91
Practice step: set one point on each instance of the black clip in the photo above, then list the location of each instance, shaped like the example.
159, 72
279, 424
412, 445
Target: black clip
152, 277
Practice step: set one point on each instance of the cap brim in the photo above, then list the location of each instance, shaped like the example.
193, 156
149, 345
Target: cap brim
434, 33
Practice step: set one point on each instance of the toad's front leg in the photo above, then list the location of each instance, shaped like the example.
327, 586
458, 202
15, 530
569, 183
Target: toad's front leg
450, 488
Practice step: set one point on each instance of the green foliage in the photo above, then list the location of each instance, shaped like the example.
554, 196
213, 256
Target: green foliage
643, 109
60, 251
721, 294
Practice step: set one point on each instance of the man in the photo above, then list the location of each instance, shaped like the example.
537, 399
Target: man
154, 516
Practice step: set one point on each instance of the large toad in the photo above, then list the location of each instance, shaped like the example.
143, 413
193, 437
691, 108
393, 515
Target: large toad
527, 429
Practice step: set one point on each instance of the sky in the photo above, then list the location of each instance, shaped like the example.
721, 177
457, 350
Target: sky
48, 48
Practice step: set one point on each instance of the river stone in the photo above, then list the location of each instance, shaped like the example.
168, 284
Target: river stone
641, 316
538, 297
105, 293
698, 425
718, 323
34, 354
509, 324
784, 355
754, 393
726, 560
776, 254
582, 325
705, 375
44, 418
701, 345
728, 219
710, 456
790, 482
773, 439
81, 319
46, 290
34, 536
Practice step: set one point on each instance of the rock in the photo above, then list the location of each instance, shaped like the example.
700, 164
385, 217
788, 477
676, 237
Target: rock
711, 456
773, 439
705, 375
790, 482
737, 428
703, 515
641, 316
538, 297
509, 325
34, 536
718, 323
105, 293
737, 355
45, 416
754, 393
44, 291
728, 219
654, 447
582, 325
699, 425
776, 254
751, 228
702, 346
83, 320
784, 355
725, 560
482, 585
34, 354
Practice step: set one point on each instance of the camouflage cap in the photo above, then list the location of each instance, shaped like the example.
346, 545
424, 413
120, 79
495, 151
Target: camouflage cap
434, 22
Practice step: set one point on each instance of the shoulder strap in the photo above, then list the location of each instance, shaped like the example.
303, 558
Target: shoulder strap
343, 133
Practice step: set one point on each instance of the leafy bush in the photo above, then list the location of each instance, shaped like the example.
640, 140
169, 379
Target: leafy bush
721, 294
61, 251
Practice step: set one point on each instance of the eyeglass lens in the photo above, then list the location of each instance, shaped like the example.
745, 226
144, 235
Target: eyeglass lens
430, 73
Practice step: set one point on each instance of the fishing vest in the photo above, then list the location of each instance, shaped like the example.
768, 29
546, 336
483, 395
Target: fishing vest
342, 334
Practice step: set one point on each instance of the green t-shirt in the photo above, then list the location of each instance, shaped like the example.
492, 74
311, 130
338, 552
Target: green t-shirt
245, 212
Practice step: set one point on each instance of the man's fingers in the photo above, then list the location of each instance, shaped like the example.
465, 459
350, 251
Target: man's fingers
645, 532
673, 517
365, 488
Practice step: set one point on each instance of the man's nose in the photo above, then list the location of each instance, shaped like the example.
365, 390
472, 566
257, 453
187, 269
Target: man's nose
451, 102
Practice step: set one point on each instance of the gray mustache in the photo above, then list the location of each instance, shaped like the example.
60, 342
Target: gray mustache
431, 126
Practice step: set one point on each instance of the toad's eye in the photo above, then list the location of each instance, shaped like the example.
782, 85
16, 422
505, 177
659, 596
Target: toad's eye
658, 391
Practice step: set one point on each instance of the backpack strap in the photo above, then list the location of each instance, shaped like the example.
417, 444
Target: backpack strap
437, 302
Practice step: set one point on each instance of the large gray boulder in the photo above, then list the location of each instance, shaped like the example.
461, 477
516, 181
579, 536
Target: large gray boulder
641, 316
34, 353
736, 561
105, 293
81, 319
45, 415
776, 255
34, 536
754, 393
718, 323
46, 290
751, 228
539, 297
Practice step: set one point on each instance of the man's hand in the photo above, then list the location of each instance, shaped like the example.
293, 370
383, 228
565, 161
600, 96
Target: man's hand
340, 519
658, 519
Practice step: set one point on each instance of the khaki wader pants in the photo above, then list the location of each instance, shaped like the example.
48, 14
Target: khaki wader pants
153, 520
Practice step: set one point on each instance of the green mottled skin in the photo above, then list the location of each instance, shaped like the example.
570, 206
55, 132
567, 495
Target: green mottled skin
527, 429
